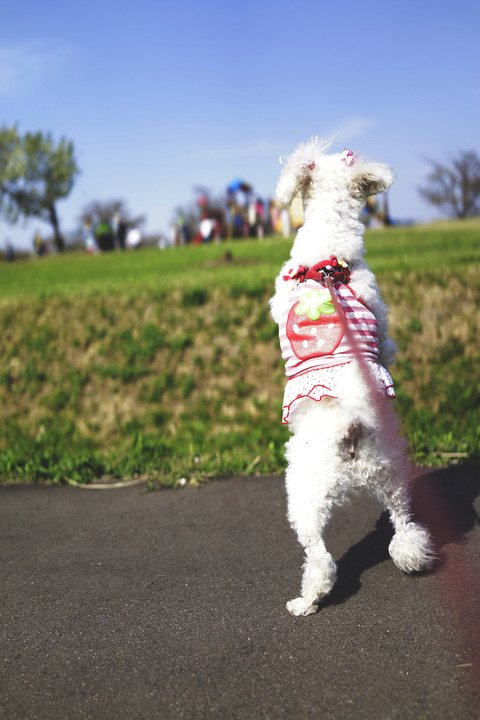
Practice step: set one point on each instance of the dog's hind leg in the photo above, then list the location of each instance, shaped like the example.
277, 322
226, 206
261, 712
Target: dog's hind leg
319, 575
310, 489
411, 547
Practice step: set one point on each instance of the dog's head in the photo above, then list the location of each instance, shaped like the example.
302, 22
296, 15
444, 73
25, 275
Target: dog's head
309, 171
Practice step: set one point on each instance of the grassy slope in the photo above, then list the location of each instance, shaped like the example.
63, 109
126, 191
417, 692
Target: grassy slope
168, 363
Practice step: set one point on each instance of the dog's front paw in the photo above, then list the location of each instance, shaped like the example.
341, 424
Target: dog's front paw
302, 606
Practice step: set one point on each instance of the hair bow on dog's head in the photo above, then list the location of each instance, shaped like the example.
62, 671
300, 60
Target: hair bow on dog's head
349, 157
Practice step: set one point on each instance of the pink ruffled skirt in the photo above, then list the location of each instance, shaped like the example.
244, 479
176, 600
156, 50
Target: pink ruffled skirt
327, 382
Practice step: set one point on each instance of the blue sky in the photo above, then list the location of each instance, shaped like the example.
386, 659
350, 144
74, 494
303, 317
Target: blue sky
161, 96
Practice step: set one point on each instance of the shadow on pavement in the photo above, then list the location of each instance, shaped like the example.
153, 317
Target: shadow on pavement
442, 500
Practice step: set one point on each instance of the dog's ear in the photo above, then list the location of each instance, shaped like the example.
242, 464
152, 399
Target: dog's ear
298, 170
294, 180
372, 178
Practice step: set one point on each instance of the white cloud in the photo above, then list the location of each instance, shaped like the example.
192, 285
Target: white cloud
353, 128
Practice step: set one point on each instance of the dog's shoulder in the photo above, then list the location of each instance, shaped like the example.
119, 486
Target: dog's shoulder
363, 282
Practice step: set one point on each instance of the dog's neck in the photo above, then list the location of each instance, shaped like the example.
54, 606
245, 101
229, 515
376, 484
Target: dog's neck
329, 230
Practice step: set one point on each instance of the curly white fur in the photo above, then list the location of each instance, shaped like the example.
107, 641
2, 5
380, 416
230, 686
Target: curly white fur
321, 473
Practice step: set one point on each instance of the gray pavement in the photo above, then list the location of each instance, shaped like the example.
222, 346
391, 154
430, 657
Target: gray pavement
128, 604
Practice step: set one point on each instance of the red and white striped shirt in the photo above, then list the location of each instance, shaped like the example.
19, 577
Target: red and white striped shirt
312, 333
313, 340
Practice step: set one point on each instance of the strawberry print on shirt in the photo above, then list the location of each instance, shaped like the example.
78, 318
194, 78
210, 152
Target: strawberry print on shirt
313, 326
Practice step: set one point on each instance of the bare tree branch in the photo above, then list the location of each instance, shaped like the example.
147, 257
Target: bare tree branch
456, 187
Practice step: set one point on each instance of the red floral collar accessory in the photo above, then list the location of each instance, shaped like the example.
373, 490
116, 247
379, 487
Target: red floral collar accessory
335, 269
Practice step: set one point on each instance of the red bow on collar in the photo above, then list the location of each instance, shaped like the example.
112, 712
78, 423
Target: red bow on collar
336, 269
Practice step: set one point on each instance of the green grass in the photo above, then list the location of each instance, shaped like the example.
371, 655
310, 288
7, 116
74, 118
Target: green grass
167, 364
189, 267
396, 250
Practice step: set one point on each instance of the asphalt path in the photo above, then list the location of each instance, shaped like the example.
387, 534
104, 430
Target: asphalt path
129, 604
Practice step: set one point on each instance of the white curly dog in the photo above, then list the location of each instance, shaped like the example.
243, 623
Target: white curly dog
333, 334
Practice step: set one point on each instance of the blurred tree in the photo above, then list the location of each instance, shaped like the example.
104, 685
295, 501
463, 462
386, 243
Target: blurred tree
39, 173
98, 211
110, 221
10, 160
455, 187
